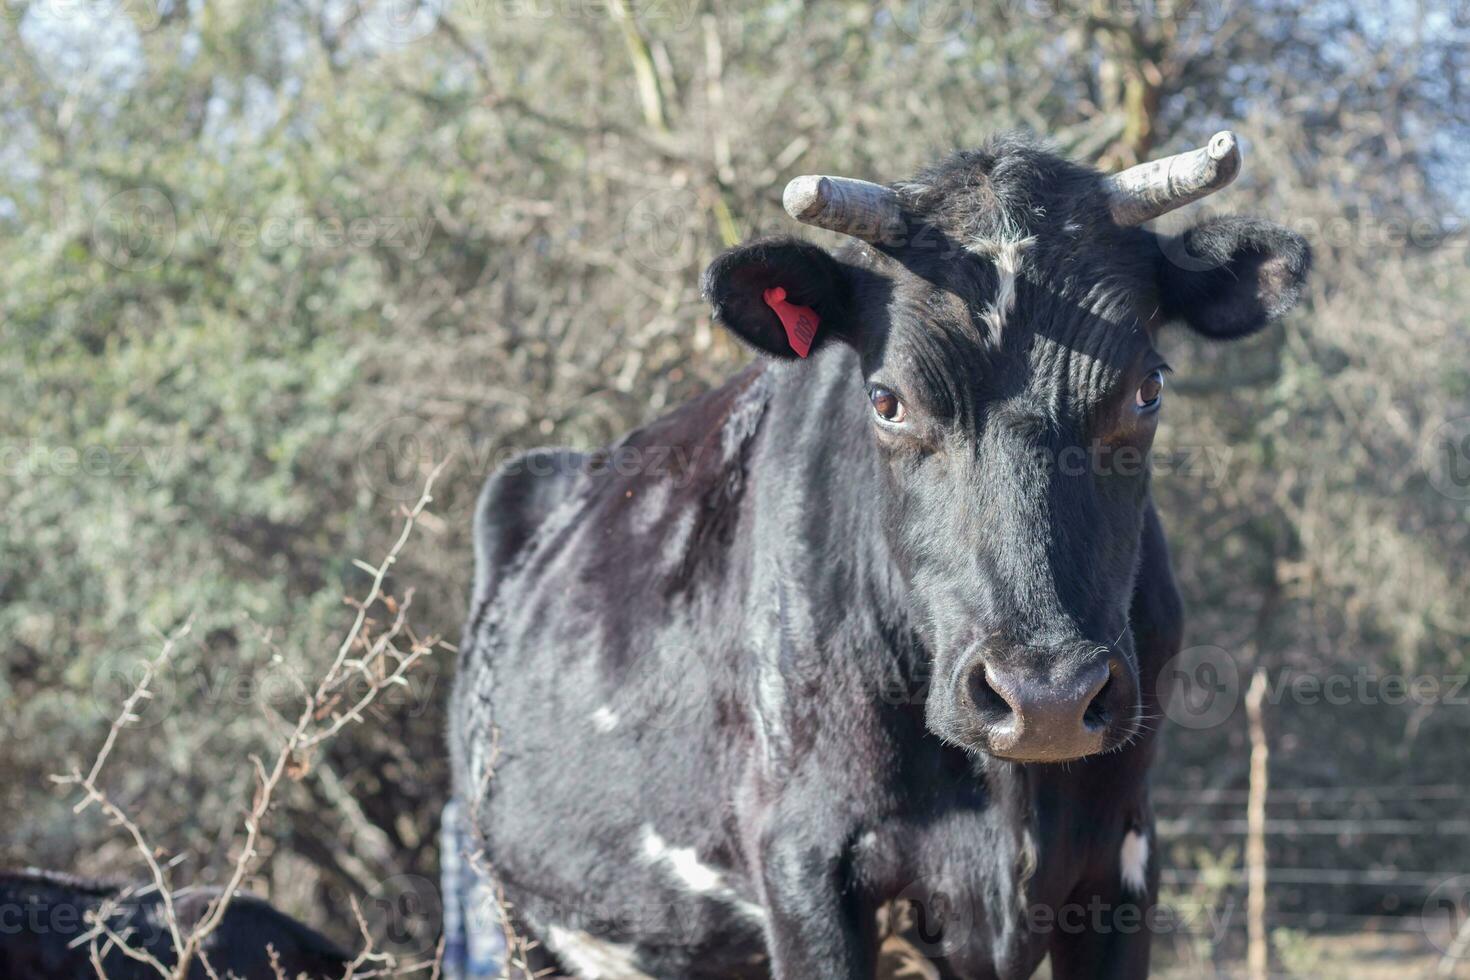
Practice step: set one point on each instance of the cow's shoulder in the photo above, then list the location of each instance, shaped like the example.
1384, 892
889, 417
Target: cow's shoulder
653, 513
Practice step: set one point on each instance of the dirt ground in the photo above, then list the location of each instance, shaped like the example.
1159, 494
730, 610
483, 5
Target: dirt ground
1364, 956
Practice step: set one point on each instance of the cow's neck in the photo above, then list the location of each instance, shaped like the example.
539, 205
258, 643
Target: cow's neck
819, 459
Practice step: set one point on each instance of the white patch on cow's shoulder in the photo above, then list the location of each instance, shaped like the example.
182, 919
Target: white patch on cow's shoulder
1133, 859
604, 719
591, 958
1006, 253
696, 876
682, 861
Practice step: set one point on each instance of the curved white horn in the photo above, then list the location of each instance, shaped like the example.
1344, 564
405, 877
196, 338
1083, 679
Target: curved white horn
1150, 189
854, 207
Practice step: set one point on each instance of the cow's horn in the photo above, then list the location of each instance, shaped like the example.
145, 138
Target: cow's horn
854, 207
1148, 190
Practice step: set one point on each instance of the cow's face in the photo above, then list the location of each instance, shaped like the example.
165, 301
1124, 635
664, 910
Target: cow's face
1011, 387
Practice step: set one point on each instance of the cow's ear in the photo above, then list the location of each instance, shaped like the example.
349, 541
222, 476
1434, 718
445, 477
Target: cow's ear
1229, 277
782, 296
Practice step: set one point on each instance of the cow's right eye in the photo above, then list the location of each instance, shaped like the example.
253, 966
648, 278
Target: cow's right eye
886, 404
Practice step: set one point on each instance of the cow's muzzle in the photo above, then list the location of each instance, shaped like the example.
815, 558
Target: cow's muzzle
1047, 706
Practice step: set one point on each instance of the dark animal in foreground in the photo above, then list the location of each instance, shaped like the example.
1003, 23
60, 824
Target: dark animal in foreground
43, 928
869, 639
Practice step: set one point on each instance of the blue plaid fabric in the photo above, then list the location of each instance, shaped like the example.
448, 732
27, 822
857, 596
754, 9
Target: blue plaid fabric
474, 938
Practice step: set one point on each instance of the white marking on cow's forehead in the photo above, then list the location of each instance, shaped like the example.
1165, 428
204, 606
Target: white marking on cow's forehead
605, 719
693, 874
1005, 252
591, 958
1133, 858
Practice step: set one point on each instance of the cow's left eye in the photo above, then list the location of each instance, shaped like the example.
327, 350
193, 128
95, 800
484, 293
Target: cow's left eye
886, 404
1150, 393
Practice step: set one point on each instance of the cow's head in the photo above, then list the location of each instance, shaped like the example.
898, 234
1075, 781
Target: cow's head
1004, 307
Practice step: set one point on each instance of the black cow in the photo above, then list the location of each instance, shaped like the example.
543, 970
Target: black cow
876, 629
44, 934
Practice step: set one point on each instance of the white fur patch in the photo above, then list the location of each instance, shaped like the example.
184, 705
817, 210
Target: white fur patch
1007, 257
693, 874
1133, 859
591, 958
605, 719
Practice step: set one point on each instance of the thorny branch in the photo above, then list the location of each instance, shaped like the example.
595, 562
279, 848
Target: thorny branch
379, 661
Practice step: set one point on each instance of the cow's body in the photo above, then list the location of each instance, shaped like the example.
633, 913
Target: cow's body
693, 723
44, 934
773, 709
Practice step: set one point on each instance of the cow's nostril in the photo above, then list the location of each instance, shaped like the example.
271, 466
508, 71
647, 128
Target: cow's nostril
1095, 717
987, 699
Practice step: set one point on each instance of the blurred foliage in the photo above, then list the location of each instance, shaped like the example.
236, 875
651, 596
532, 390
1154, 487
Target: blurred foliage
263, 264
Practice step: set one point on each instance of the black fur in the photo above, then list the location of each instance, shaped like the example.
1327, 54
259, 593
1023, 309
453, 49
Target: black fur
734, 688
1228, 277
43, 917
735, 284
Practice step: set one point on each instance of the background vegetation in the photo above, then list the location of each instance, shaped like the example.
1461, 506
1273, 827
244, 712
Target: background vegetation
262, 264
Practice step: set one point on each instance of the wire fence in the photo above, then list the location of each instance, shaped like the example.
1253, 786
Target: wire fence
1371, 892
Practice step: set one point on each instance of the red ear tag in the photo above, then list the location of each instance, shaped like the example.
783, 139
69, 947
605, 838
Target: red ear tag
800, 321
